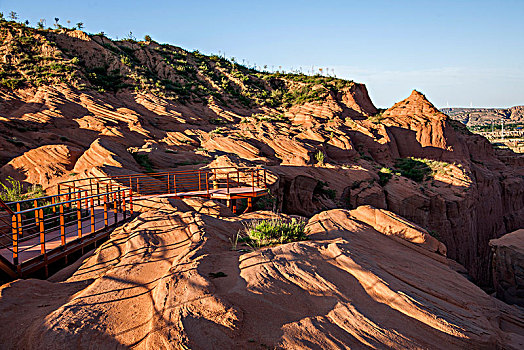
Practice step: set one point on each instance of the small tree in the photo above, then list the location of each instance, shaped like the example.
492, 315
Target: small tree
40, 24
147, 38
26, 22
56, 22
80, 25
1, 16
13, 16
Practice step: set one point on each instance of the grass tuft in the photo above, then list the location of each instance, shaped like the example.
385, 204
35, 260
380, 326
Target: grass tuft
259, 233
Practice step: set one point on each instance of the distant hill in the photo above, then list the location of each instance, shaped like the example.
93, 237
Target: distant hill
479, 116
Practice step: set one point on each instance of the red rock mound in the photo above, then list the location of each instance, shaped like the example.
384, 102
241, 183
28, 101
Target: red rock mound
42, 165
170, 280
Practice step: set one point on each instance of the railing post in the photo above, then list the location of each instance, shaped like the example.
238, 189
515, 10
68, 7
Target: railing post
92, 202
174, 182
238, 178
19, 225
253, 181
168, 184
87, 205
98, 192
15, 239
124, 204
37, 219
265, 181
62, 225
137, 186
53, 202
79, 216
131, 201
58, 189
118, 199
68, 197
199, 180
18, 209
207, 182
42, 232
258, 177
106, 223
227, 182
115, 208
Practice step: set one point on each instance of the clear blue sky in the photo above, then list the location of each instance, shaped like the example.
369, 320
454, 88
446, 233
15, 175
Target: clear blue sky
457, 52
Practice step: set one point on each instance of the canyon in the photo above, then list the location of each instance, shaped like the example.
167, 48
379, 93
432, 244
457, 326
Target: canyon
401, 205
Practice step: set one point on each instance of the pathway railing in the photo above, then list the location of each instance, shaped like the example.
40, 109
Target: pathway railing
36, 231
58, 221
173, 182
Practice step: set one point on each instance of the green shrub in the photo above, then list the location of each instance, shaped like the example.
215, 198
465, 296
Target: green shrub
218, 130
377, 118
11, 83
14, 191
413, 168
143, 161
217, 121
384, 175
320, 157
259, 233
419, 169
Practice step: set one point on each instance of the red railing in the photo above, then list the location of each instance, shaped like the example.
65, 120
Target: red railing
200, 182
34, 229
60, 220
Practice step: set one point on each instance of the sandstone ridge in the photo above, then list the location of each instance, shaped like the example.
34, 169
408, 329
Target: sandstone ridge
349, 284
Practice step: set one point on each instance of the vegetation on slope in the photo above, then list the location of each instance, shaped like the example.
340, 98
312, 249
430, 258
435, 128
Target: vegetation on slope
30, 59
38, 56
14, 191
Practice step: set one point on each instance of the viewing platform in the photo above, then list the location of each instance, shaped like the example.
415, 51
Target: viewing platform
47, 233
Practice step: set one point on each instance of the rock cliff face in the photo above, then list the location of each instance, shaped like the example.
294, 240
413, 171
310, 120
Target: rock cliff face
508, 267
169, 279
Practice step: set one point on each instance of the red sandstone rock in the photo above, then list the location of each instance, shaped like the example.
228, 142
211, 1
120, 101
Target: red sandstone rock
508, 266
154, 285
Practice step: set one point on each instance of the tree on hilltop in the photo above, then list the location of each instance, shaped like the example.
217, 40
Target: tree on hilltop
80, 25
13, 15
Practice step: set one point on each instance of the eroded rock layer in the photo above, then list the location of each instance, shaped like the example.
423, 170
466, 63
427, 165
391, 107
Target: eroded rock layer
169, 279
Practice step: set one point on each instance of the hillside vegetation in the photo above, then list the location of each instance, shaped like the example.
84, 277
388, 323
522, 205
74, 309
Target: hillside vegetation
35, 57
